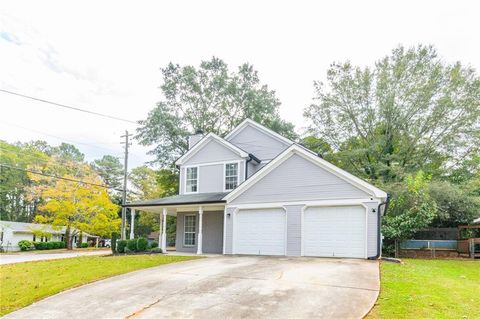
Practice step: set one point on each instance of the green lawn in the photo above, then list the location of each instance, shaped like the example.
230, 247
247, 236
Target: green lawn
429, 289
24, 283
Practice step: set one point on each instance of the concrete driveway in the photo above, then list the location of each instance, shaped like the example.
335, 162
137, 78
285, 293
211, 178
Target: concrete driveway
224, 287
34, 256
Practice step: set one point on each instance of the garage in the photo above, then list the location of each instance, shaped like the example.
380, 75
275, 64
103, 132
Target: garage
260, 232
335, 231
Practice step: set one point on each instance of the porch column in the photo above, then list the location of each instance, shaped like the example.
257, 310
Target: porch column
132, 224
200, 224
164, 231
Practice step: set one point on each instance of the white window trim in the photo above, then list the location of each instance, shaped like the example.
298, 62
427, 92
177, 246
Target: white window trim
225, 175
184, 232
185, 179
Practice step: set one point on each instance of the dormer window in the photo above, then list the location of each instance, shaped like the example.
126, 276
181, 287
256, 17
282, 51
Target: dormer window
231, 176
191, 180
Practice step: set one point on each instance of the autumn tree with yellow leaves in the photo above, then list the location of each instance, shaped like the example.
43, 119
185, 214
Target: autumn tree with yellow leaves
80, 207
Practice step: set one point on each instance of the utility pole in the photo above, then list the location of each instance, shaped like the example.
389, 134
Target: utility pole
124, 194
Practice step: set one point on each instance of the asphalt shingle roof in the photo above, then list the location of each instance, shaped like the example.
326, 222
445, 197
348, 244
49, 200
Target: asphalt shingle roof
201, 198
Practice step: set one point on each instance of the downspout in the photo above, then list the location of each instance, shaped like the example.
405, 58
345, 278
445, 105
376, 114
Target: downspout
379, 223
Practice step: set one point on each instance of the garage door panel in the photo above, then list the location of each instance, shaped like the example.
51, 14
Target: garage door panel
334, 231
260, 232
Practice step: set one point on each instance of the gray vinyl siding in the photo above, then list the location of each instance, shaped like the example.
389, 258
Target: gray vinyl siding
229, 230
299, 179
211, 177
294, 230
372, 224
213, 151
212, 232
259, 143
253, 168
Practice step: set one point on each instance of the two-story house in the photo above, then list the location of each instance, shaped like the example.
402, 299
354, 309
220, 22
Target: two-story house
256, 192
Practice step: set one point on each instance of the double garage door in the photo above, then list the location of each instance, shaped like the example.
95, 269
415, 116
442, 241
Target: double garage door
327, 232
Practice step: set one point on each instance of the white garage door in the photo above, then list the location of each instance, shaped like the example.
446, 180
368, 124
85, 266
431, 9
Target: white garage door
260, 232
334, 232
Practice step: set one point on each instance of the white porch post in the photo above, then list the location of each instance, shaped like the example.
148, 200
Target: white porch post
164, 231
200, 229
132, 224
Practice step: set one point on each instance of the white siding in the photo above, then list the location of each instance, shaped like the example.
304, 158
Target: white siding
294, 230
259, 143
212, 152
298, 179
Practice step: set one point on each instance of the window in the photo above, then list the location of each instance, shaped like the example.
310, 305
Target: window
231, 176
191, 180
189, 225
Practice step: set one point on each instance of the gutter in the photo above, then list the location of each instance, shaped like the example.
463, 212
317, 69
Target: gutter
221, 201
379, 224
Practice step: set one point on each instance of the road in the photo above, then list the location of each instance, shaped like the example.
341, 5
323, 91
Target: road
23, 257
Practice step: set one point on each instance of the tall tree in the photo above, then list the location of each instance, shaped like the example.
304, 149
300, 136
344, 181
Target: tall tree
68, 152
411, 111
78, 206
210, 98
153, 184
14, 183
110, 169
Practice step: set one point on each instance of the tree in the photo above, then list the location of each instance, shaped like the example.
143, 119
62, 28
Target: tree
410, 209
110, 169
14, 183
454, 206
153, 184
209, 98
68, 152
411, 111
79, 207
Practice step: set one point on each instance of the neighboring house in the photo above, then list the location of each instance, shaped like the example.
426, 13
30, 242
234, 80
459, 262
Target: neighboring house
256, 192
13, 232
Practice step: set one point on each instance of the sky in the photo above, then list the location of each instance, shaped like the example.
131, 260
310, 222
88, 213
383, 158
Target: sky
105, 56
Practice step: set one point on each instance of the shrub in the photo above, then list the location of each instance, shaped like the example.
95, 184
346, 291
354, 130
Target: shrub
40, 245
127, 250
154, 244
132, 244
121, 245
83, 245
156, 250
142, 244
24, 245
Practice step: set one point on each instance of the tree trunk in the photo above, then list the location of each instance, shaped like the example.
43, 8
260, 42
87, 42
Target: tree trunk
68, 242
396, 248
80, 239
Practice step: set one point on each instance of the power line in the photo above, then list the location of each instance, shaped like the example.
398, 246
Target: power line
60, 138
68, 106
59, 177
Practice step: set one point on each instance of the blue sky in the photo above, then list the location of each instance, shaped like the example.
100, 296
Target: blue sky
105, 56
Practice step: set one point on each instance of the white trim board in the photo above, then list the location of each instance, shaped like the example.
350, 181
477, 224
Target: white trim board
301, 151
210, 136
306, 203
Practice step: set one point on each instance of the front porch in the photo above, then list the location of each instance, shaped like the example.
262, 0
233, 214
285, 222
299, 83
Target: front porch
200, 221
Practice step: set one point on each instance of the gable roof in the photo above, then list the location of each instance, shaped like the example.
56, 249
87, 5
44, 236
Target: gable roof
209, 137
249, 122
301, 151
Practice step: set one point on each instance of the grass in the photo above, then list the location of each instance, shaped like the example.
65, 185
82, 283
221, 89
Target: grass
24, 283
429, 289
